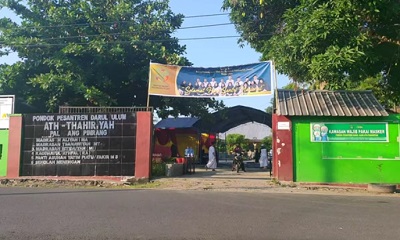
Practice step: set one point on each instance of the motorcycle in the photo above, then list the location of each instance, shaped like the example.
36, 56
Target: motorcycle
238, 162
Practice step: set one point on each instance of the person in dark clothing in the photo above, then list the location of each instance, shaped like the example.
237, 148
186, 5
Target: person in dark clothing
174, 151
238, 152
256, 155
183, 85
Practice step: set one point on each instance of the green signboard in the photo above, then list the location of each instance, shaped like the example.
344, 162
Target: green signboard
349, 132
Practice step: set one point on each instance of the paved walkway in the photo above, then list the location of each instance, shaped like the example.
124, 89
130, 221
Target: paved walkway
253, 180
223, 179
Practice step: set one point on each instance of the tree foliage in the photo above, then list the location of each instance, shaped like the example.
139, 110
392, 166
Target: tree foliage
339, 43
91, 53
235, 138
267, 141
289, 86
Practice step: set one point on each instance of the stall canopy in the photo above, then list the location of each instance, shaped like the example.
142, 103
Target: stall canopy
220, 121
228, 118
176, 123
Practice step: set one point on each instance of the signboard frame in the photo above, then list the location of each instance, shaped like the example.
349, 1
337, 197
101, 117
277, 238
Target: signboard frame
6, 112
284, 125
248, 80
79, 144
352, 131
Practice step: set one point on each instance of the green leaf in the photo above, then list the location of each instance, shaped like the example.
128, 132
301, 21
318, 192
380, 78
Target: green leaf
92, 53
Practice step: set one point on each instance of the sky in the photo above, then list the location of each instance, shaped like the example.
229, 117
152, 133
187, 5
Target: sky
217, 52
207, 52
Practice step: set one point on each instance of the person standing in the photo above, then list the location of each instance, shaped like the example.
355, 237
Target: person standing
187, 151
174, 151
270, 156
191, 151
212, 158
263, 157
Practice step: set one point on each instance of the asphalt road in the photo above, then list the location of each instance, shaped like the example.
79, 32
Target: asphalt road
32, 213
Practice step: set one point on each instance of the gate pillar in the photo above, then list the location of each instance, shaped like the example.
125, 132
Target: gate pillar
144, 134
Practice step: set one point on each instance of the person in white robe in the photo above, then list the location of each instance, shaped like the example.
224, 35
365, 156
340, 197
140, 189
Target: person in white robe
212, 158
263, 157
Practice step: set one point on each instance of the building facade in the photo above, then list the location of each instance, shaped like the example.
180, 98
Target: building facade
335, 137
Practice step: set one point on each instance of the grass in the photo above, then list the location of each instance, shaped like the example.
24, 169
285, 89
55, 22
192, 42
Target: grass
150, 184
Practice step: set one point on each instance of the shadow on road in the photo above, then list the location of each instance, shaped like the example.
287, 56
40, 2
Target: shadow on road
224, 172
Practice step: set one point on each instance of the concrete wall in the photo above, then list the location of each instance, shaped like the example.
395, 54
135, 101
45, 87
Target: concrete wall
14, 146
282, 148
3, 152
144, 134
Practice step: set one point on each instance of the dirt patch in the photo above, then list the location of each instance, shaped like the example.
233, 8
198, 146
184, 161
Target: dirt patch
254, 180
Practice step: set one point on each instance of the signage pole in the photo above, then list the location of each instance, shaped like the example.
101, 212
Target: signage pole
274, 165
274, 77
148, 101
148, 89
275, 87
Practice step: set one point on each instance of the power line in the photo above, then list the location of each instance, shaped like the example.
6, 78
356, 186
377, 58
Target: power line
209, 38
105, 23
130, 42
207, 15
116, 34
121, 42
202, 26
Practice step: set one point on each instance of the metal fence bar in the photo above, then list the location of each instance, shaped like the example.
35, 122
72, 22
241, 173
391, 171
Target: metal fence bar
70, 109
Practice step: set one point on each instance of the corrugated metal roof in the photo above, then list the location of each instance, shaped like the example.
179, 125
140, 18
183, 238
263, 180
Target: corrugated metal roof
328, 103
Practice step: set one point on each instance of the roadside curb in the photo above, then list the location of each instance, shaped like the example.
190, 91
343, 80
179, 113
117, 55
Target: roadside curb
223, 181
381, 188
55, 182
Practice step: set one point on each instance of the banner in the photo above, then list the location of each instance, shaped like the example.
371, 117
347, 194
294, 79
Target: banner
234, 81
6, 108
349, 132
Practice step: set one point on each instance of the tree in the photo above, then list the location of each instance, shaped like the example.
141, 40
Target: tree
235, 138
270, 108
336, 43
267, 141
289, 86
92, 53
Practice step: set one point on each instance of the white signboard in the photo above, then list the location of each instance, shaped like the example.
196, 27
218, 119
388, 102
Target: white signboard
6, 108
283, 125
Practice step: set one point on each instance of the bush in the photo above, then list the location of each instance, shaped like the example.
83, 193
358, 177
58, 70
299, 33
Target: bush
267, 141
169, 160
157, 169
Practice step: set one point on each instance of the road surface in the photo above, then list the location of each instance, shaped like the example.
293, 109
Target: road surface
40, 213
